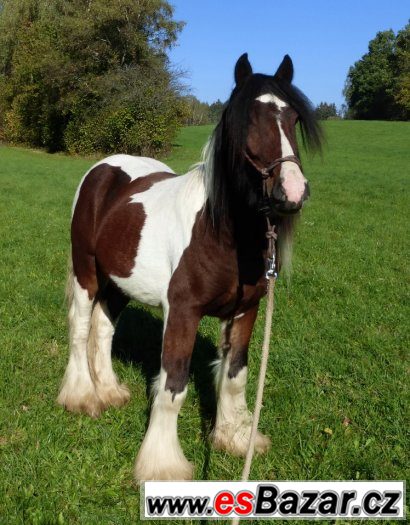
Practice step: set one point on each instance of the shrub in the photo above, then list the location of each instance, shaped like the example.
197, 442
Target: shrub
88, 76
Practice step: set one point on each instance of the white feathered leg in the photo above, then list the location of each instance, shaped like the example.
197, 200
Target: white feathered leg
106, 383
160, 456
233, 419
77, 392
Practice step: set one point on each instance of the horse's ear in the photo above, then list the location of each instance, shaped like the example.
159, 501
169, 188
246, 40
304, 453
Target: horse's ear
285, 70
243, 69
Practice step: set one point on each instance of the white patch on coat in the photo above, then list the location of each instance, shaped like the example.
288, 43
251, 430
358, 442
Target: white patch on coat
106, 383
133, 166
171, 207
136, 166
233, 419
292, 179
160, 456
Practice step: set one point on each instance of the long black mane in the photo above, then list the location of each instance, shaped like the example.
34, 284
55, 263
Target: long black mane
229, 185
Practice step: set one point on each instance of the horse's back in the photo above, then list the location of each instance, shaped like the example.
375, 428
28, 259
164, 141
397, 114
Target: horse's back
117, 169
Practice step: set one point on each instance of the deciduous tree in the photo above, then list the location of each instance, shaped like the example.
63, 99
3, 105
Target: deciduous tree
88, 75
378, 85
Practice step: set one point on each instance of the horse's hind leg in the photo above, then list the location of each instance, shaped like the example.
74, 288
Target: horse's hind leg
233, 419
77, 392
106, 310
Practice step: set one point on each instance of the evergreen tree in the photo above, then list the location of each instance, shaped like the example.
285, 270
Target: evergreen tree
325, 111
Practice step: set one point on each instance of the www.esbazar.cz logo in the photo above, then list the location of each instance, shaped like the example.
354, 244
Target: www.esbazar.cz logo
291, 500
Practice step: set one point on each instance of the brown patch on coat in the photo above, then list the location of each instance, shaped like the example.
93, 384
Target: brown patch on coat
220, 276
263, 142
106, 227
179, 338
114, 298
236, 340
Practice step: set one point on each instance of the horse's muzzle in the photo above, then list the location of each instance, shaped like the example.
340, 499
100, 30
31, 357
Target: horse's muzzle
284, 206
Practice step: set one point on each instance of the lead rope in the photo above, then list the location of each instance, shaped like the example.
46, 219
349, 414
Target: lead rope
271, 276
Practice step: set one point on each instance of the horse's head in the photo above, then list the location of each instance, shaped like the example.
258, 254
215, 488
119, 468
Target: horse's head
271, 145
256, 159
274, 110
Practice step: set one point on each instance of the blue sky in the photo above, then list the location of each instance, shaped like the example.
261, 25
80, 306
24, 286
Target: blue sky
324, 38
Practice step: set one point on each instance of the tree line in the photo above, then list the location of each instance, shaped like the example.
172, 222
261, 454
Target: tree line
198, 113
93, 75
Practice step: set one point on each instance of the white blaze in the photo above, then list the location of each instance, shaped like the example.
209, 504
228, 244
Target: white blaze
292, 179
270, 98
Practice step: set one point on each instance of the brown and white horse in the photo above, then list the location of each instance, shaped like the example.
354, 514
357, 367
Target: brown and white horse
195, 245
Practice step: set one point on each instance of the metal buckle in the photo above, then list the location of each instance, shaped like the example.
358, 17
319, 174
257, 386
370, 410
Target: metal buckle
271, 271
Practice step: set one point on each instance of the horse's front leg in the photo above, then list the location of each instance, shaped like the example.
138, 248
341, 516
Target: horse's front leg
160, 456
233, 419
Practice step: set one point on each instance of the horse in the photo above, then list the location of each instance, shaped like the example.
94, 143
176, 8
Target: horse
194, 245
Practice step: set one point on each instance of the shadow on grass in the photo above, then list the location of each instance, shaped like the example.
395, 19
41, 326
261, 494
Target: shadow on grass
138, 340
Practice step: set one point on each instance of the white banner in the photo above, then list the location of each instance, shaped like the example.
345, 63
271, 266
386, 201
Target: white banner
273, 499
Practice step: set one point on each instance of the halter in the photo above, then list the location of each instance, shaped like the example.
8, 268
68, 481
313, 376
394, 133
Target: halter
268, 171
271, 234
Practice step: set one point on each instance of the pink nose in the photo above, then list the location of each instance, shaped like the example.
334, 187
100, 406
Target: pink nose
294, 185
282, 204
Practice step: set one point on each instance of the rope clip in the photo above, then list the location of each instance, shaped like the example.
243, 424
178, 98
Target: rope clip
271, 271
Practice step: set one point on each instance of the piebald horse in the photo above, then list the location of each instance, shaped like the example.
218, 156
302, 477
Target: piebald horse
195, 245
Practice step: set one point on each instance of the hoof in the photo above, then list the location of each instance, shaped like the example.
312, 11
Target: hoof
262, 443
236, 440
152, 470
81, 402
164, 460
113, 396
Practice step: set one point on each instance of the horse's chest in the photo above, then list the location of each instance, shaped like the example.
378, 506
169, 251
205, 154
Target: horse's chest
218, 283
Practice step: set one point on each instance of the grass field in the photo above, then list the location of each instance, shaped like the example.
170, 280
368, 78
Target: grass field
336, 400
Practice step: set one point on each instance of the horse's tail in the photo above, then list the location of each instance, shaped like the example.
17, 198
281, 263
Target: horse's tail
92, 343
69, 287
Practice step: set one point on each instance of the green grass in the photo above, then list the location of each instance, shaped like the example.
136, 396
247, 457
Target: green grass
339, 345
